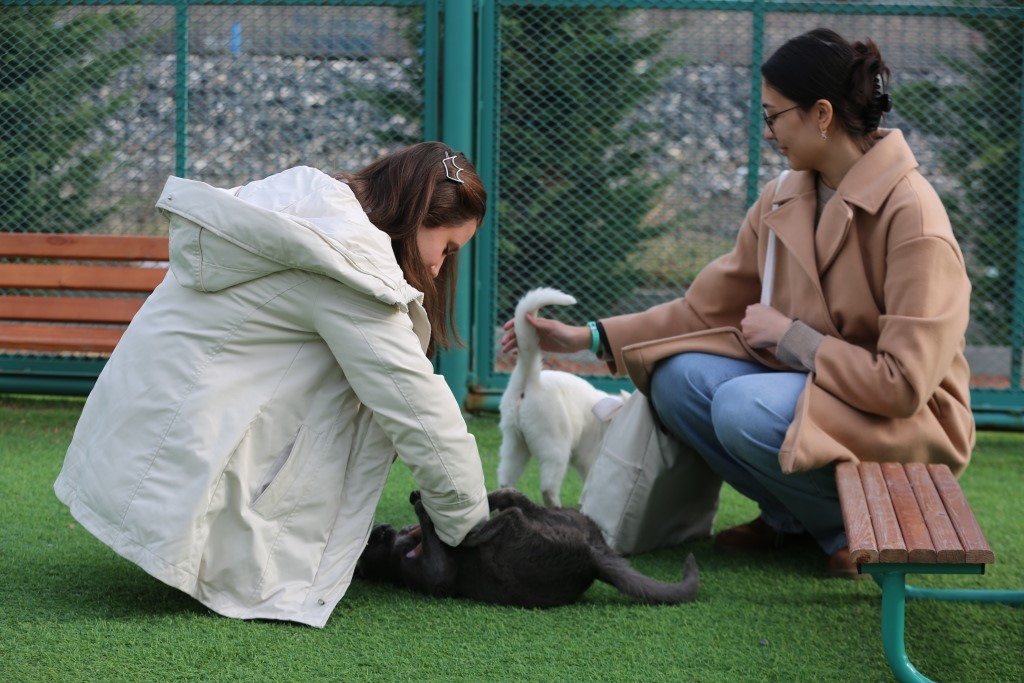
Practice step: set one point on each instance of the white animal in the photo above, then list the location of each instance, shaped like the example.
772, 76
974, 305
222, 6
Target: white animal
548, 414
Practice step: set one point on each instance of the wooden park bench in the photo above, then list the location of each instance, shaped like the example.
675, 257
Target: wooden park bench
912, 519
65, 301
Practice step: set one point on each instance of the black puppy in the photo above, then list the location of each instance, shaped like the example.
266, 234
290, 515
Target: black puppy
525, 555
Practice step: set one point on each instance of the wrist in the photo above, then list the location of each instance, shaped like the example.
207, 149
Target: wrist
595, 338
580, 339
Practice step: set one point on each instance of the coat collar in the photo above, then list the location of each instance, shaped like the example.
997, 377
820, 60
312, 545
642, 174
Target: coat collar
872, 179
866, 185
869, 182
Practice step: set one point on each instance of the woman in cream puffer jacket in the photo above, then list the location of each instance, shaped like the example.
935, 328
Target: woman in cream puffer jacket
237, 442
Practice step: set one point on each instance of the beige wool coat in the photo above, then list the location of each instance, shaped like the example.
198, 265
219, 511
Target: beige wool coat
882, 278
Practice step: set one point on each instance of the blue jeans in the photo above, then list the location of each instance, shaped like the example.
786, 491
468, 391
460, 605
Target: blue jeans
735, 414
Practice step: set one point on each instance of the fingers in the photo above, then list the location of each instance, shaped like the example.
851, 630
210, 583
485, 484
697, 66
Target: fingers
508, 340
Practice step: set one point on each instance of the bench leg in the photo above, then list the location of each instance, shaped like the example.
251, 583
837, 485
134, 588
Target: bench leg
892, 578
893, 585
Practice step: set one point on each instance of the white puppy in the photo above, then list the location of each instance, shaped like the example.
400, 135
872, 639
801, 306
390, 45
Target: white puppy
548, 414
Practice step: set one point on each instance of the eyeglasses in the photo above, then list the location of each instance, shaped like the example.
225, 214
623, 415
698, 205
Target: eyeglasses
770, 120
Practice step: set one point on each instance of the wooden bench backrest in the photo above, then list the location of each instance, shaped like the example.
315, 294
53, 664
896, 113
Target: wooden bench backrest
42, 315
910, 512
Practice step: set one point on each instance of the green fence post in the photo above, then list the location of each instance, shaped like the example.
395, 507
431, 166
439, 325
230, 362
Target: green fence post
1017, 326
181, 87
457, 130
757, 21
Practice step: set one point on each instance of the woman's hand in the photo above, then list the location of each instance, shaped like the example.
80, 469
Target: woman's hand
553, 335
763, 326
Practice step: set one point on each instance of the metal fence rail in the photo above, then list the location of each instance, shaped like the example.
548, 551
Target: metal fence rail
620, 140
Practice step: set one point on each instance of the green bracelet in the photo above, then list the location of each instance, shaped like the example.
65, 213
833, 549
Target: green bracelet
595, 338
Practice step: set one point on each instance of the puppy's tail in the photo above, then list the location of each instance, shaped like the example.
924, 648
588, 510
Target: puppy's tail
616, 571
528, 364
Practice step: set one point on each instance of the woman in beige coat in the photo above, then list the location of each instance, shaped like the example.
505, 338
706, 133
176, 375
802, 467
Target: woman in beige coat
859, 353
238, 440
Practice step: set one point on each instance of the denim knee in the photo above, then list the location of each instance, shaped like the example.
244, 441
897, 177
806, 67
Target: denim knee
674, 396
743, 422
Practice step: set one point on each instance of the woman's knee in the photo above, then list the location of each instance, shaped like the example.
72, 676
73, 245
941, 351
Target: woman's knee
745, 423
675, 395
677, 383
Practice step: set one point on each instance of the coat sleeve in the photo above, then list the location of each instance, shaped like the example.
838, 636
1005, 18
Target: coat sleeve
382, 359
718, 296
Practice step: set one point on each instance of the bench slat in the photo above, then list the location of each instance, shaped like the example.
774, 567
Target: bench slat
859, 534
58, 338
891, 547
96, 247
99, 309
62, 276
940, 528
908, 514
972, 539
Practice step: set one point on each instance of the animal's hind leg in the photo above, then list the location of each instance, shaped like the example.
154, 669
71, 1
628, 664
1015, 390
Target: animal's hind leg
552, 473
512, 458
552, 451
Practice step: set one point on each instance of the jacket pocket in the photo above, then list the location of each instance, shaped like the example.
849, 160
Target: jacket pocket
283, 473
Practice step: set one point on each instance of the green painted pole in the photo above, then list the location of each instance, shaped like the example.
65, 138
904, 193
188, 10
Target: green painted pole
458, 131
893, 623
1017, 322
756, 128
181, 88
431, 69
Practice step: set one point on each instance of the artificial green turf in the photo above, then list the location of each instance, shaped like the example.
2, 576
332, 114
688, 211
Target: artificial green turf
72, 610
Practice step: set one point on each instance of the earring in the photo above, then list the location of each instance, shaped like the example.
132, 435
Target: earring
824, 136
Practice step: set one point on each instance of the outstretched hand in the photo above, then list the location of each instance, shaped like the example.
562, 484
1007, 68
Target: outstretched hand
552, 335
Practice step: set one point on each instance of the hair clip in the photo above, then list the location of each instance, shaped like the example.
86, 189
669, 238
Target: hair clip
451, 169
883, 99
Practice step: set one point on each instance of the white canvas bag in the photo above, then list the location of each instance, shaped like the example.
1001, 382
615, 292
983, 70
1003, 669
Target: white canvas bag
646, 489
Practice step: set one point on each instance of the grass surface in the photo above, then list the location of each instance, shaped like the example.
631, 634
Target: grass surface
72, 610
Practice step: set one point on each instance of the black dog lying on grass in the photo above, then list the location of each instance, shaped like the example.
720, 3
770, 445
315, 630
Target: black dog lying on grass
525, 555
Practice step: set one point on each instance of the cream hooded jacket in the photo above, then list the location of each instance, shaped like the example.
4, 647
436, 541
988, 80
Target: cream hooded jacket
237, 442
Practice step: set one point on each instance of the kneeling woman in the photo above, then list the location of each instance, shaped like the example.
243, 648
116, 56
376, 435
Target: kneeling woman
238, 440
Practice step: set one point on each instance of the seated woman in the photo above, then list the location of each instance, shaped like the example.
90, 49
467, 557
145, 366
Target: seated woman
858, 356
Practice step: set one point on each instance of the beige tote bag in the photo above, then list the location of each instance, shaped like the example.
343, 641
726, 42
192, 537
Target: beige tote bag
646, 490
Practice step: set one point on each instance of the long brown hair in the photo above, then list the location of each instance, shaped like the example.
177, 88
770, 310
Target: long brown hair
411, 188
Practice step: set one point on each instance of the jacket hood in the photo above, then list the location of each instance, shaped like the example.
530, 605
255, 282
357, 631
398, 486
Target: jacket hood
300, 218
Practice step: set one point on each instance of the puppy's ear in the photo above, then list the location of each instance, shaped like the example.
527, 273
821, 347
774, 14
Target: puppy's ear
414, 497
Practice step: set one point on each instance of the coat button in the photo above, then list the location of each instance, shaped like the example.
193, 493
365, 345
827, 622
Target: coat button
320, 602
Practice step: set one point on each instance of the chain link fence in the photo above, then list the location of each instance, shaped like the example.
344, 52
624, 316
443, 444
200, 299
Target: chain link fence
621, 140
631, 145
99, 104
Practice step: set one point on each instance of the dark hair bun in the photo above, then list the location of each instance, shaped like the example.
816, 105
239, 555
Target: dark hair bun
881, 102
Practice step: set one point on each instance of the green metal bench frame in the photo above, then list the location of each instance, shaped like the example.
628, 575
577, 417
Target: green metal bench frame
912, 519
